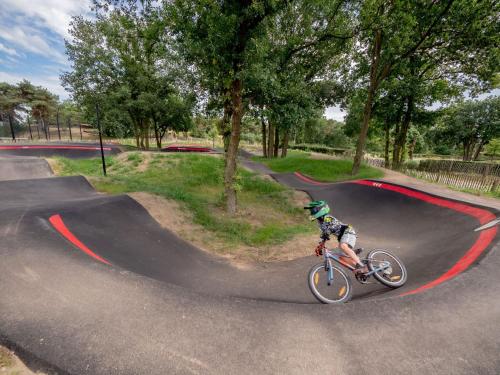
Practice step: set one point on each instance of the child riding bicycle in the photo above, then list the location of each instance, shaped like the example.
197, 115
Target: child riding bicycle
330, 225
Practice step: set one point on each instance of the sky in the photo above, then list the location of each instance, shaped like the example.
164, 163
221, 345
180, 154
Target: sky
32, 34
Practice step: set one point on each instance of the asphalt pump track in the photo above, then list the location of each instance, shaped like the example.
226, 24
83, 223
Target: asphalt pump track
91, 283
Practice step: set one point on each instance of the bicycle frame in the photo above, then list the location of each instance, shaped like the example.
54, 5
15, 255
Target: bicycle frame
328, 256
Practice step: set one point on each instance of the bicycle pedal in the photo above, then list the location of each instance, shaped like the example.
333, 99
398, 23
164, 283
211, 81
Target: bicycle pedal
363, 279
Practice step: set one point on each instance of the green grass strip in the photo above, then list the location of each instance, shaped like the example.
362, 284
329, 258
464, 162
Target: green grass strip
327, 170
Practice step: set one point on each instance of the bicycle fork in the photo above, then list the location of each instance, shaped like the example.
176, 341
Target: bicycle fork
329, 270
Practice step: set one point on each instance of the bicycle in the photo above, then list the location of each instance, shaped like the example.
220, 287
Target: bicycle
330, 283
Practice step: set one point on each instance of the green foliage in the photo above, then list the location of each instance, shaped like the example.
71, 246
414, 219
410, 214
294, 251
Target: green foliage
318, 148
328, 132
492, 149
25, 102
417, 50
470, 125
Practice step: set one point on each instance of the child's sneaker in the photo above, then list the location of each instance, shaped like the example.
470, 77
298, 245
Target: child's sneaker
360, 268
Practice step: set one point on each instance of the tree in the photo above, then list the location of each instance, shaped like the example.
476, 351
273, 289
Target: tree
304, 46
458, 34
122, 60
472, 125
215, 37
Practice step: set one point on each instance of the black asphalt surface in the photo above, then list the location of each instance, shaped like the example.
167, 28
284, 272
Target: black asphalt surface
164, 306
20, 167
67, 150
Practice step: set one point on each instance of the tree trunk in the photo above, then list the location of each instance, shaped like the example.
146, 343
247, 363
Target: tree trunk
146, 131
412, 148
47, 126
157, 134
38, 128
400, 141
57, 122
137, 135
374, 82
387, 142
45, 130
284, 149
29, 128
264, 138
11, 128
226, 124
395, 150
276, 141
69, 128
478, 150
270, 140
360, 147
232, 152
466, 150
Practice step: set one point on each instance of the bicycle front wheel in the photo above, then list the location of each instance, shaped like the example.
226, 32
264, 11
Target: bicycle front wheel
336, 290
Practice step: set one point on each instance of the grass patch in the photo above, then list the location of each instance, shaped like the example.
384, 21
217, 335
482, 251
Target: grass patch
326, 170
267, 215
480, 193
6, 358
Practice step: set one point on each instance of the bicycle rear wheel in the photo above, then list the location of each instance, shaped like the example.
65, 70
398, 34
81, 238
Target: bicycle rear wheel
339, 290
393, 276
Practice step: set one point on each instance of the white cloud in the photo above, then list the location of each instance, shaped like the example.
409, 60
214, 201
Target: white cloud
334, 113
7, 50
30, 40
51, 83
53, 14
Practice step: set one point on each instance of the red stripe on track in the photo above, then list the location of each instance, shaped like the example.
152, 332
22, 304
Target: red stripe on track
470, 256
307, 179
59, 225
54, 147
482, 215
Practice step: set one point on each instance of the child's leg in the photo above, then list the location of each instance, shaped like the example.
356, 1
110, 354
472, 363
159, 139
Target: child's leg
349, 252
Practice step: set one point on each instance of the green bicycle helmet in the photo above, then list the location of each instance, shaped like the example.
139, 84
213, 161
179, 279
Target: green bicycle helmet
317, 209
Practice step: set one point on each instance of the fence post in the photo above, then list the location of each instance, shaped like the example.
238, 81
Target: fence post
494, 187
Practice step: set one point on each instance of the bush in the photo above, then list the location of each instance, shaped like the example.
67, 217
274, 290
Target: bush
443, 150
251, 138
319, 148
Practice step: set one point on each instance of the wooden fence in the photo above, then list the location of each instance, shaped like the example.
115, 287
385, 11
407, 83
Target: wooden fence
468, 167
486, 183
463, 175
374, 162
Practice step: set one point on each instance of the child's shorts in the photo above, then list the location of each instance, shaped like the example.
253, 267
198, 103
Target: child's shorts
349, 237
